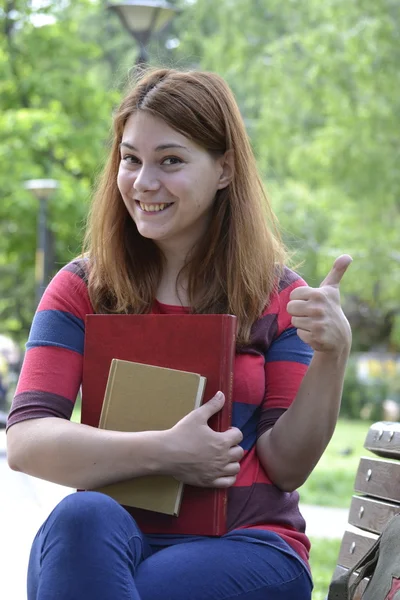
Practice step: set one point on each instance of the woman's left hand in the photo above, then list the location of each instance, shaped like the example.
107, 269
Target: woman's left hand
317, 313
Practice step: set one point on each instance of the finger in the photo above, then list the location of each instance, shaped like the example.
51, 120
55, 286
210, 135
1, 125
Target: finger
208, 409
297, 308
306, 337
231, 469
223, 482
236, 454
339, 268
301, 293
303, 323
233, 436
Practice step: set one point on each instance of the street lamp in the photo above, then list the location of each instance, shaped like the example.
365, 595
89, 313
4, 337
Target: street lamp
42, 190
142, 18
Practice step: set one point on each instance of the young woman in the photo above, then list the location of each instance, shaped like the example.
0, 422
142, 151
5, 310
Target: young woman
180, 223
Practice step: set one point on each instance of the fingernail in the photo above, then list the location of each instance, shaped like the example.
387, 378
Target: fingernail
218, 395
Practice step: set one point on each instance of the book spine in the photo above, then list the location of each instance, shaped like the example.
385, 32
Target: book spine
227, 372
227, 365
106, 400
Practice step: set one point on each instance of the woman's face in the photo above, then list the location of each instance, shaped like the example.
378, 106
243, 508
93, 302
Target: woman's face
167, 182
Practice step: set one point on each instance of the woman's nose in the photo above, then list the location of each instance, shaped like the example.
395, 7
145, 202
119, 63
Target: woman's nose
146, 180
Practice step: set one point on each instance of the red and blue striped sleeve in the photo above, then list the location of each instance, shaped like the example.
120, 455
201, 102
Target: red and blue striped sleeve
51, 374
287, 358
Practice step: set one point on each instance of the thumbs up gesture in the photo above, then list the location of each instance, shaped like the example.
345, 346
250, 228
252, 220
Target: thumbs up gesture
317, 313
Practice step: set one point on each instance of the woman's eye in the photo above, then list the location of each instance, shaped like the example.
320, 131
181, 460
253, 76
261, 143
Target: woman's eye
131, 160
172, 160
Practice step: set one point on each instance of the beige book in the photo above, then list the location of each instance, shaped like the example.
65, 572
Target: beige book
143, 397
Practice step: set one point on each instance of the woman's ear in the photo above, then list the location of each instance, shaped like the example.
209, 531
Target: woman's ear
227, 161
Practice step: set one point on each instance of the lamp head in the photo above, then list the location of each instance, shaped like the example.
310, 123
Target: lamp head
41, 188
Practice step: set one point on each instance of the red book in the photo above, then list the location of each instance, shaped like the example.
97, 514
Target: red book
203, 344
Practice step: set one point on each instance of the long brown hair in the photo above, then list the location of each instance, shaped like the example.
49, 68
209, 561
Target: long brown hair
234, 267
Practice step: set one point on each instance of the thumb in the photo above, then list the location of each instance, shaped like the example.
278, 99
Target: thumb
208, 409
339, 268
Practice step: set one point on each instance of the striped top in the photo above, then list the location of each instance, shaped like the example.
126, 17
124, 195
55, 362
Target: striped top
267, 375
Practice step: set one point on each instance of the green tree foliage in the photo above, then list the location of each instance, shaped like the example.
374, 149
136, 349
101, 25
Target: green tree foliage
319, 86
57, 91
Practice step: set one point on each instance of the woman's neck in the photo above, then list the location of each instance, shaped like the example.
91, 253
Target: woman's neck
169, 293
172, 289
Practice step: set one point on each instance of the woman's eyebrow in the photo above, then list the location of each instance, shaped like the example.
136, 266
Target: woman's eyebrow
166, 146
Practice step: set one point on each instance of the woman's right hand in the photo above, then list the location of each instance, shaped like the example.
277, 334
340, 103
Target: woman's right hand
201, 456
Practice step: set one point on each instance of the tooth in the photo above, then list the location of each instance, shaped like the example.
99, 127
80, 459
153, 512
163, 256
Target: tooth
153, 207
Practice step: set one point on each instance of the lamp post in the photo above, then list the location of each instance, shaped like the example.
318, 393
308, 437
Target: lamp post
42, 190
143, 18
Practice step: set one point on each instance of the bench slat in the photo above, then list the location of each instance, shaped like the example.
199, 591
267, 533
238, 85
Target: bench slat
379, 478
355, 544
383, 438
361, 588
371, 515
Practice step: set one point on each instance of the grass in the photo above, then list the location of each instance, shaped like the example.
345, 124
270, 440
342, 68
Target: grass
331, 483
323, 559
76, 413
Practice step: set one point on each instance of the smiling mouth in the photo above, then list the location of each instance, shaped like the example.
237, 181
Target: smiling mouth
153, 207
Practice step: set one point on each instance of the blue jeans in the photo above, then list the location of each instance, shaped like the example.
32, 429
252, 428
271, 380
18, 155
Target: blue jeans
90, 548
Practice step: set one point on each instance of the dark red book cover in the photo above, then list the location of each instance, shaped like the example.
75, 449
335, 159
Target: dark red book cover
203, 344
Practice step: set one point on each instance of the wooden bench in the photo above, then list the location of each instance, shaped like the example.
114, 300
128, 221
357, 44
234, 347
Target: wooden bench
377, 497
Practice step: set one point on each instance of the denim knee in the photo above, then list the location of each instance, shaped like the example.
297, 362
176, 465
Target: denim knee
89, 547
85, 513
